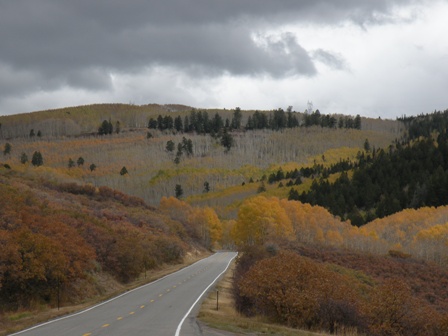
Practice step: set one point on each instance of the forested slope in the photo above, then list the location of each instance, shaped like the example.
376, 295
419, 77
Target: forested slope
154, 168
409, 174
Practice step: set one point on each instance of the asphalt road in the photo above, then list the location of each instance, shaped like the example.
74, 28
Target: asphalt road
167, 306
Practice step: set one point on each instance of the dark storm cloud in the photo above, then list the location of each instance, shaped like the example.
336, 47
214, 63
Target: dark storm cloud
79, 43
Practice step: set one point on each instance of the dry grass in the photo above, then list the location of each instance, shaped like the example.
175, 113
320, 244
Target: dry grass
227, 318
16, 321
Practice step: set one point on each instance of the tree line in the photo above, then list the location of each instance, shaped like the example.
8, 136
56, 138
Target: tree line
201, 123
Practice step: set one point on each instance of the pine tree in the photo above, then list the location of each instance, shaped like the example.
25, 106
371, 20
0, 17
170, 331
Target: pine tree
178, 191
7, 149
170, 146
178, 125
236, 119
123, 171
37, 159
227, 140
367, 145
206, 187
71, 163
152, 124
23, 158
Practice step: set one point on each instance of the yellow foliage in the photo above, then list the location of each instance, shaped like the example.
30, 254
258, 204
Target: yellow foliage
207, 223
261, 219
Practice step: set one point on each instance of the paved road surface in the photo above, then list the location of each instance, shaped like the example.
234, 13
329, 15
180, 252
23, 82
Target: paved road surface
164, 307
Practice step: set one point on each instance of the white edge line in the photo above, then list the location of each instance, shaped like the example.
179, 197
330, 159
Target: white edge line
110, 300
197, 300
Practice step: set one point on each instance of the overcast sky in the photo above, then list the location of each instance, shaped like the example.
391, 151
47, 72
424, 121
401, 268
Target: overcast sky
377, 58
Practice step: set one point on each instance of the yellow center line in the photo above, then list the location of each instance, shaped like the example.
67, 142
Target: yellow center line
88, 334
119, 318
152, 300
160, 295
142, 306
131, 313
174, 286
168, 290
105, 325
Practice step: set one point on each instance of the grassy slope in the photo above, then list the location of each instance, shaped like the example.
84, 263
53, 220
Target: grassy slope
152, 173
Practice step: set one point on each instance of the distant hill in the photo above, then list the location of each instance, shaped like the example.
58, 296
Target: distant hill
78, 120
72, 133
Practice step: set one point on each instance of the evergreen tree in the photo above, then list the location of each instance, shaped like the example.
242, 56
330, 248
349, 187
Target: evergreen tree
227, 140
37, 159
367, 145
186, 124
206, 187
178, 125
217, 123
168, 123
152, 124
23, 158
187, 146
160, 125
236, 119
105, 128
32, 134
7, 149
178, 191
357, 122
71, 163
92, 167
170, 146
80, 161
123, 171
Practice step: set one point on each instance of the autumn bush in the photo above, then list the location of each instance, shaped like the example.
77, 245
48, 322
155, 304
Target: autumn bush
300, 293
39, 253
201, 224
303, 292
56, 237
244, 262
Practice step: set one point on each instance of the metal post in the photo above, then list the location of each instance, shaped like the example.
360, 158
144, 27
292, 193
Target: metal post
58, 294
217, 299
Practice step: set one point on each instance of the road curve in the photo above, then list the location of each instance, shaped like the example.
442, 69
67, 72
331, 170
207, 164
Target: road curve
167, 306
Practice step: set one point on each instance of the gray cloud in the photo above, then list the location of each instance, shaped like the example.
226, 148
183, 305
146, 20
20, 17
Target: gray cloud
53, 43
332, 60
53, 35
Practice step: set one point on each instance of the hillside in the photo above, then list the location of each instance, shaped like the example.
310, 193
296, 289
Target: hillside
152, 172
96, 200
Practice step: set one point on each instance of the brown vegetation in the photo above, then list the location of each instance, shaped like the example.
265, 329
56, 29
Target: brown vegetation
56, 238
373, 295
